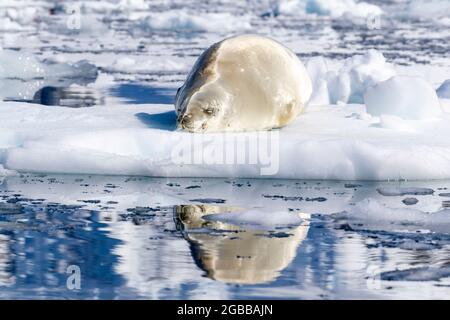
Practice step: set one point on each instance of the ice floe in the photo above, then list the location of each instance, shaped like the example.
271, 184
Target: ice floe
334, 9
140, 140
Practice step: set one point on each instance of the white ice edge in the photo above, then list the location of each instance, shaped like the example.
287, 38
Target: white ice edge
328, 142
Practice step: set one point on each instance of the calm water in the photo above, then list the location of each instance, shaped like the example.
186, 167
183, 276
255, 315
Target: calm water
144, 238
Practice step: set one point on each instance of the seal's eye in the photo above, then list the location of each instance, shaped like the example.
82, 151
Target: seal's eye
210, 111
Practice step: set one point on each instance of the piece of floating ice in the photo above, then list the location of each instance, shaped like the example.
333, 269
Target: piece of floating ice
5, 172
426, 273
410, 98
400, 191
184, 21
371, 215
334, 9
410, 201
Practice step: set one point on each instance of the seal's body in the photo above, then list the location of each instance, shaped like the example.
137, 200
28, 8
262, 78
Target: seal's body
243, 83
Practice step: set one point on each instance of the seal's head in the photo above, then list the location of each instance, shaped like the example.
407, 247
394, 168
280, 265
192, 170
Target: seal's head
198, 102
203, 110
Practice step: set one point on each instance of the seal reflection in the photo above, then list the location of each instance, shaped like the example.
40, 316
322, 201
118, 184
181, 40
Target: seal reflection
236, 254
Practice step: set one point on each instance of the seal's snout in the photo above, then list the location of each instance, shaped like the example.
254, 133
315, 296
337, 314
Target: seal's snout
185, 121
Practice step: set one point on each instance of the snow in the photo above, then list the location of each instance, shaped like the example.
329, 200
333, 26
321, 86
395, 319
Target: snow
406, 97
346, 82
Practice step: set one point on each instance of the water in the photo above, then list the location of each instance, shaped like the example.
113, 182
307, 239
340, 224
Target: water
145, 238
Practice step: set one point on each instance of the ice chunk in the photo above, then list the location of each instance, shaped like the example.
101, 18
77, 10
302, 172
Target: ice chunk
371, 215
403, 191
410, 201
183, 21
5, 172
339, 8
444, 90
347, 82
334, 9
20, 65
409, 98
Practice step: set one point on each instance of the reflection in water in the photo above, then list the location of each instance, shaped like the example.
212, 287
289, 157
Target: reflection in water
233, 254
132, 239
74, 97
6, 277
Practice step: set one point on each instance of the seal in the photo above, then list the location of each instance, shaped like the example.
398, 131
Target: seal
243, 83
238, 255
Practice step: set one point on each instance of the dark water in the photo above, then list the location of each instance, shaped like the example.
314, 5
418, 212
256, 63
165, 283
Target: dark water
149, 239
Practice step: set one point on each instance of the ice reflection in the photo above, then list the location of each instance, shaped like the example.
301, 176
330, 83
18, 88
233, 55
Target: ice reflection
135, 237
235, 254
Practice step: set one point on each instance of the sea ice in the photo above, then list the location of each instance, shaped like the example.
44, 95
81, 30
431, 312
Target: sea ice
23, 74
430, 8
369, 214
403, 191
334, 9
346, 82
409, 98
184, 21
